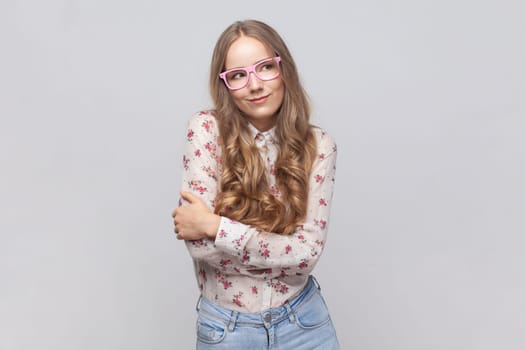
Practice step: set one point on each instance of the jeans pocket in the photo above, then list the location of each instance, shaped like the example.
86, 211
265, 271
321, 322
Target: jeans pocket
313, 313
209, 330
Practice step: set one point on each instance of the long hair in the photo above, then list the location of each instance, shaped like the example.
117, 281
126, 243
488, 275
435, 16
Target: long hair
244, 194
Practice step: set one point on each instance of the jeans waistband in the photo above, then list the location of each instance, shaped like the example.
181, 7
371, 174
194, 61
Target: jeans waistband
265, 318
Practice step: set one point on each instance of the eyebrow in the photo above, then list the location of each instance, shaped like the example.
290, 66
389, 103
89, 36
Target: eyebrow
263, 59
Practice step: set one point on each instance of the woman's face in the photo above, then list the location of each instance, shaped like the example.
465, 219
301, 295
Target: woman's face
259, 100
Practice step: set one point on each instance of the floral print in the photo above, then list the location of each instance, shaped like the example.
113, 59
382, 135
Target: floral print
246, 269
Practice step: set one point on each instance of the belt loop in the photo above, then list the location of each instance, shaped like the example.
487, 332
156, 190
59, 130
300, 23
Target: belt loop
315, 282
291, 314
233, 320
198, 306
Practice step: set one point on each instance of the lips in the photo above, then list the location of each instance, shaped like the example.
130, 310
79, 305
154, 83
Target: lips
259, 100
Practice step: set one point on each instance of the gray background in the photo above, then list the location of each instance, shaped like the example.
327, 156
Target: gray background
424, 98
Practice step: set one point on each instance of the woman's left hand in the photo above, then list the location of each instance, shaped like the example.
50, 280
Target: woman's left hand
195, 220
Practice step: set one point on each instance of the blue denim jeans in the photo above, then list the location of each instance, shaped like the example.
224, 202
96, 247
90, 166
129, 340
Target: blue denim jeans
303, 323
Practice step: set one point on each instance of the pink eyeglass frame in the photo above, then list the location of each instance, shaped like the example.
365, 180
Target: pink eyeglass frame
248, 70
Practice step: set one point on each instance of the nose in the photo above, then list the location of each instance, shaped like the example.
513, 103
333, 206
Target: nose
253, 81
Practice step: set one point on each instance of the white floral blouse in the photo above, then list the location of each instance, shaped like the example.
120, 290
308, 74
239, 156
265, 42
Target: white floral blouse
246, 269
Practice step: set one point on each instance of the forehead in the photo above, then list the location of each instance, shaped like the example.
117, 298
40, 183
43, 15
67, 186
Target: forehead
246, 51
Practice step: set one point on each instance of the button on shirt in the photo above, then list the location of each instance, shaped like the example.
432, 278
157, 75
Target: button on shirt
244, 268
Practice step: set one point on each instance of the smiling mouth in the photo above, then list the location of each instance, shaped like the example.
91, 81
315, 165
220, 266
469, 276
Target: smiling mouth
259, 99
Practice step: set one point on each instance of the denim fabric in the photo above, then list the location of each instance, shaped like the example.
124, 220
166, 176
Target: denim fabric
303, 323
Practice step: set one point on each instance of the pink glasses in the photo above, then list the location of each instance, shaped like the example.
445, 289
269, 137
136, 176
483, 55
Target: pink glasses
237, 78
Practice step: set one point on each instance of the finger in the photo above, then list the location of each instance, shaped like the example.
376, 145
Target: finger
188, 196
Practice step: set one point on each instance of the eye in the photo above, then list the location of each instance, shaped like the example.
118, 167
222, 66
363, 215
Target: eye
238, 74
268, 66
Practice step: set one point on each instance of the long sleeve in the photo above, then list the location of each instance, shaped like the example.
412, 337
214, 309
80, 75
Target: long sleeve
296, 254
201, 168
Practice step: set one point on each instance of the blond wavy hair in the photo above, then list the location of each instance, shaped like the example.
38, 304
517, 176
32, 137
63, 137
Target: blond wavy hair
244, 193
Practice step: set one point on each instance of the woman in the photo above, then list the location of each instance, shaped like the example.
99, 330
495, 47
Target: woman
257, 187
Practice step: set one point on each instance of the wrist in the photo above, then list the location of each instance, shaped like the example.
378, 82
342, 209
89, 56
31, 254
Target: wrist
212, 225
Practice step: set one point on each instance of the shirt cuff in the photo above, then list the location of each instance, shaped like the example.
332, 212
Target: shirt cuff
231, 236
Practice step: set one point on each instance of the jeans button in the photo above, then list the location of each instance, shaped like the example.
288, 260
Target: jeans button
267, 318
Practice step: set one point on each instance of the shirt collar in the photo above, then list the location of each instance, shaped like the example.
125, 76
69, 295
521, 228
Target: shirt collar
269, 135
